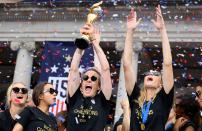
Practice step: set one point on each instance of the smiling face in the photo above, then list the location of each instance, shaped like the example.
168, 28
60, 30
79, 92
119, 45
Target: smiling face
90, 83
199, 95
18, 94
152, 80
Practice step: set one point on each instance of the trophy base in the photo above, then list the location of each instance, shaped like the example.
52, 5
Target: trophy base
81, 43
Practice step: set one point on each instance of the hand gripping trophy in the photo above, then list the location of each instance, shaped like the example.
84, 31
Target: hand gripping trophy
94, 12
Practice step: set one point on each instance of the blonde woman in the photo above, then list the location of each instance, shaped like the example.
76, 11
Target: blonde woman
150, 107
17, 95
38, 118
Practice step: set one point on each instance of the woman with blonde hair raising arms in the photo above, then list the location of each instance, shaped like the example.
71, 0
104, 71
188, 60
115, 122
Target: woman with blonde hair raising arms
150, 107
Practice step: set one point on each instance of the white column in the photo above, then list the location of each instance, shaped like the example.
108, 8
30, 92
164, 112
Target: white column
121, 93
24, 62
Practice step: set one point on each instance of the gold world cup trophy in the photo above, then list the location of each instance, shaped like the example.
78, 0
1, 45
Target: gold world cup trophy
94, 13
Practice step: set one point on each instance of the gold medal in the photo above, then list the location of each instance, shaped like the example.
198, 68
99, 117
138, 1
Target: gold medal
142, 126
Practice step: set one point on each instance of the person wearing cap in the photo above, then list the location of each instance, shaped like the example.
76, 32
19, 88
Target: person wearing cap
150, 105
89, 95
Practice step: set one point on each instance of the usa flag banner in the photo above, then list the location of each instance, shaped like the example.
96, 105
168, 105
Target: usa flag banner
56, 60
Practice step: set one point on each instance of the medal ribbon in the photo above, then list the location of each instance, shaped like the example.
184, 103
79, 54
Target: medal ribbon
145, 111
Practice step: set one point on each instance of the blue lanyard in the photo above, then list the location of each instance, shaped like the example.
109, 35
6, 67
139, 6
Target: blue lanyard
145, 111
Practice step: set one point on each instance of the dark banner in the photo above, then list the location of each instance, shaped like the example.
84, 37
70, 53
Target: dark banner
55, 66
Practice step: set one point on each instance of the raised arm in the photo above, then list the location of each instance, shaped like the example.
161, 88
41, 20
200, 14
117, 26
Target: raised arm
106, 83
167, 75
126, 115
74, 77
129, 73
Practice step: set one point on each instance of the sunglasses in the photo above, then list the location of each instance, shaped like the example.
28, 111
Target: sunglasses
86, 77
22, 90
198, 94
51, 91
153, 73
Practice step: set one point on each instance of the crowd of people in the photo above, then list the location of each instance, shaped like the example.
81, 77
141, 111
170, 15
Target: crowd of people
150, 105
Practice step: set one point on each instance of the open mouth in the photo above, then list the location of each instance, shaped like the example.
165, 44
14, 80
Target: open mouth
150, 79
88, 89
19, 97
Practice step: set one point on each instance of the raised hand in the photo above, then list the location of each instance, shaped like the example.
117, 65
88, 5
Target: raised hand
96, 35
159, 22
132, 21
93, 32
87, 29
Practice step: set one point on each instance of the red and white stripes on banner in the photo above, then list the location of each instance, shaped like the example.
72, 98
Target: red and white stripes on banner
60, 84
60, 106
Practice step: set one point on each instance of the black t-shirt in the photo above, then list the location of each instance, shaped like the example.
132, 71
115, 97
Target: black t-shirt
158, 112
87, 114
6, 121
32, 119
188, 124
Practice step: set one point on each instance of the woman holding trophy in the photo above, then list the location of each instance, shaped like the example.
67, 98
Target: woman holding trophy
89, 94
